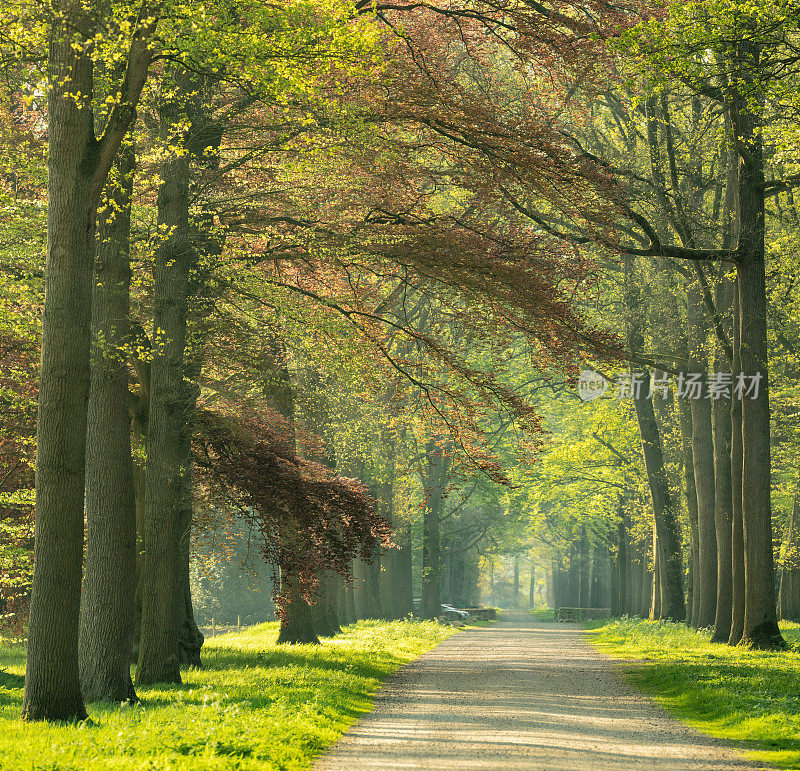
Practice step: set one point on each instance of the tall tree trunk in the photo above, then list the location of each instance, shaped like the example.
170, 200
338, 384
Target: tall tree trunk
435, 480
670, 557
704, 607
78, 165
737, 523
655, 607
723, 496
622, 558
646, 599
760, 619
167, 435
789, 593
52, 688
190, 638
350, 603
693, 601
106, 615
402, 584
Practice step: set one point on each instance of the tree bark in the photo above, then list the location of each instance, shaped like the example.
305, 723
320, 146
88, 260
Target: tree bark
760, 619
646, 599
78, 165
297, 623
737, 523
167, 435
691, 508
704, 604
789, 593
106, 615
670, 557
723, 496
435, 480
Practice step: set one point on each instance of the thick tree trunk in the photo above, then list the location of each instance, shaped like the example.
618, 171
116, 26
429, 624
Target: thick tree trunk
52, 688
106, 617
435, 480
190, 638
350, 603
325, 619
78, 165
364, 595
297, 622
167, 435
760, 619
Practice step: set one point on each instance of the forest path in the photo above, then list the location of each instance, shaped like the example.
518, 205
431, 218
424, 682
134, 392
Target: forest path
521, 694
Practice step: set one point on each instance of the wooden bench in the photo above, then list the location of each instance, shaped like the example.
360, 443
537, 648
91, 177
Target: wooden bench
485, 614
582, 614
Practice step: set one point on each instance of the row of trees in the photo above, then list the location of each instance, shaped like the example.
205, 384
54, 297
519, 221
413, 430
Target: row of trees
248, 208
309, 282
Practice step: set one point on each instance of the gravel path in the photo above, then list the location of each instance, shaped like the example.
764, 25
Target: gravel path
521, 694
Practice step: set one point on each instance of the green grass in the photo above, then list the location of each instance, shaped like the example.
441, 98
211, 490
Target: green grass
751, 697
543, 614
255, 705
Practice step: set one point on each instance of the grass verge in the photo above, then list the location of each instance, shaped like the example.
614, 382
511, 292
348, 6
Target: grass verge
255, 705
751, 697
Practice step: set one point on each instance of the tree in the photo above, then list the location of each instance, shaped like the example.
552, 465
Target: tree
78, 165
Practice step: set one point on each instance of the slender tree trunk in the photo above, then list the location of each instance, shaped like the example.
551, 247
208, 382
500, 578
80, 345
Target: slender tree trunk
106, 617
723, 496
646, 599
737, 523
693, 601
789, 594
704, 605
670, 557
622, 559
402, 585
435, 480
655, 608
190, 638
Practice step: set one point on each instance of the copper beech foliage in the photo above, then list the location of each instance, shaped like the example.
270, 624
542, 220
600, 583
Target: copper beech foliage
245, 459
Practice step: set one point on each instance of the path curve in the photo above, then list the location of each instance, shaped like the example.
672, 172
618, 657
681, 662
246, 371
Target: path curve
521, 694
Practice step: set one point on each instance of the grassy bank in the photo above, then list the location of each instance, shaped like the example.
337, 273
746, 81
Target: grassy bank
748, 696
255, 705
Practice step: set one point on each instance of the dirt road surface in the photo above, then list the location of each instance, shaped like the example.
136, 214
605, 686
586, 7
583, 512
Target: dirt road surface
521, 695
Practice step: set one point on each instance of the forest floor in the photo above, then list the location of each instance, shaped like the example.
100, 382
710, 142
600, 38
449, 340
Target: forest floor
254, 705
522, 694
751, 697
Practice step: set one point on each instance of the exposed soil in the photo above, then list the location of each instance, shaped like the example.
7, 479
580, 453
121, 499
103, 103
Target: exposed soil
521, 694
